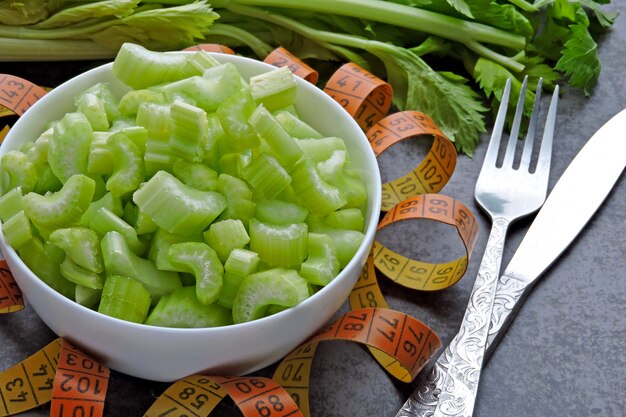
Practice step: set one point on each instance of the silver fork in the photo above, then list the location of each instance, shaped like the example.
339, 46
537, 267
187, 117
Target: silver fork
506, 194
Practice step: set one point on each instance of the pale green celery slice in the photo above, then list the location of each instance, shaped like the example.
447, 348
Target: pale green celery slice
160, 246
216, 138
280, 212
295, 126
137, 134
226, 235
230, 286
240, 264
92, 107
322, 264
81, 246
100, 159
11, 203
38, 153
335, 171
266, 176
128, 168
100, 186
124, 298
37, 257
195, 174
313, 192
68, 148
156, 119
199, 62
132, 100
138, 67
189, 131
233, 163
17, 230
281, 143
87, 297
349, 218
140, 221
205, 93
108, 99
346, 241
47, 182
181, 308
109, 201
279, 245
202, 261
64, 207
176, 207
234, 113
278, 286
104, 221
119, 259
80, 276
319, 150
275, 89
233, 187
17, 171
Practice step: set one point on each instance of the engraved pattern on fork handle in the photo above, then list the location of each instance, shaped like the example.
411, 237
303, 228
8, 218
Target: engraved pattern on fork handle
460, 383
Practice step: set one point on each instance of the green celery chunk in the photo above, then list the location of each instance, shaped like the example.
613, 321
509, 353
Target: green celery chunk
140, 221
319, 150
100, 159
274, 89
349, 218
215, 142
195, 174
283, 146
181, 308
132, 100
278, 286
234, 113
226, 235
38, 152
17, 171
335, 171
204, 93
282, 245
322, 264
119, 259
295, 126
68, 148
266, 176
17, 230
199, 62
155, 118
109, 201
240, 264
108, 99
176, 207
346, 241
160, 246
48, 182
124, 298
81, 246
280, 212
92, 107
239, 198
80, 276
11, 204
44, 262
137, 134
87, 297
104, 221
189, 131
233, 163
63, 208
129, 171
313, 192
202, 261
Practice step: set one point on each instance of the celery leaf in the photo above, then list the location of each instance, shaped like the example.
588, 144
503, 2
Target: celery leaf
579, 60
84, 11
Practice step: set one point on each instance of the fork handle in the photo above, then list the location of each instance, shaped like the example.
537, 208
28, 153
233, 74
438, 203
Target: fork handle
460, 382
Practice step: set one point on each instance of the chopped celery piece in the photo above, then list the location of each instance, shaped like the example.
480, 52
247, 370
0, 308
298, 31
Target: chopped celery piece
230, 287
109, 201
17, 230
350, 218
108, 99
92, 107
280, 212
124, 298
195, 174
319, 150
269, 130
128, 172
104, 221
202, 261
199, 62
295, 126
81, 246
239, 265
176, 207
313, 192
189, 131
334, 171
130, 102
204, 93
119, 259
155, 118
215, 141
87, 297
47, 182
141, 222
278, 286
63, 208
181, 308
346, 242
226, 235
233, 187
266, 176
279, 244
38, 258
234, 113
17, 171
233, 163
11, 203
160, 246
80, 276
138, 67
322, 264
68, 148
100, 159
274, 89
137, 134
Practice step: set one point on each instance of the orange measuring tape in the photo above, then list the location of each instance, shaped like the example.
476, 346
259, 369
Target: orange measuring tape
76, 384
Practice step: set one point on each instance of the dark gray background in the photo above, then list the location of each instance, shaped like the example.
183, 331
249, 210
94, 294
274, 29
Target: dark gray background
564, 354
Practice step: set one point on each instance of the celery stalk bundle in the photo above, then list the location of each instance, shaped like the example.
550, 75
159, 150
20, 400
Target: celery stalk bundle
485, 41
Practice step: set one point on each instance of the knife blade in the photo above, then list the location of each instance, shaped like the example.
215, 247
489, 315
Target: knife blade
572, 202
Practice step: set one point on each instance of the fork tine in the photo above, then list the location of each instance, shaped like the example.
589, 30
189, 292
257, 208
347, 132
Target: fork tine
532, 126
545, 152
498, 127
517, 120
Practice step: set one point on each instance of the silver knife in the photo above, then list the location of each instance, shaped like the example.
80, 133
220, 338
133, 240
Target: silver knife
574, 199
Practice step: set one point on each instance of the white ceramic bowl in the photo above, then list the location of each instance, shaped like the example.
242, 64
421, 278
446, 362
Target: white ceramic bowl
166, 354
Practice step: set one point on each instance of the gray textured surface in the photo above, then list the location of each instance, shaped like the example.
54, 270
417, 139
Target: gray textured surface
563, 355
